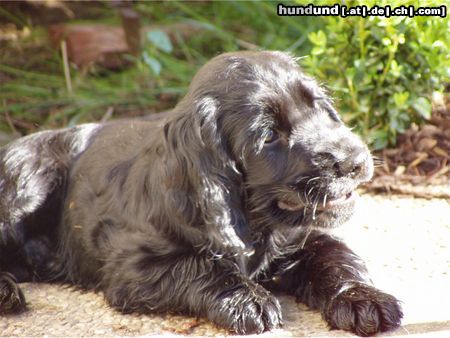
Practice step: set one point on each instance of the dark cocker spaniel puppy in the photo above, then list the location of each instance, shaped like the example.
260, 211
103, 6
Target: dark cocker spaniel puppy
201, 211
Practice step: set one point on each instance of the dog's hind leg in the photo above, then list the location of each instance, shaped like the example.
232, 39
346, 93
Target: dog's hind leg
33, 171
11, 296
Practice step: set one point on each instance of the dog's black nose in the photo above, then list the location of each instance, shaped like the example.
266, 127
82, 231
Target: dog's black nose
355, 165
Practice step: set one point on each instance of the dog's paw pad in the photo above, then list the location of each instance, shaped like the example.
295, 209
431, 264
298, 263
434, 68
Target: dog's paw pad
364, 310
11, 297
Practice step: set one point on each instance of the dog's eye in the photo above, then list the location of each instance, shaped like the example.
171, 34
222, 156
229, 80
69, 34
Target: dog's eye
271, 136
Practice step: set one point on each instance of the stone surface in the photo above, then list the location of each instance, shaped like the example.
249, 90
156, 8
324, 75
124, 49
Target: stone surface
405, 242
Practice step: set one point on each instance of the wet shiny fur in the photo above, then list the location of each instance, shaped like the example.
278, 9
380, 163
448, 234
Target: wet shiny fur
203, 211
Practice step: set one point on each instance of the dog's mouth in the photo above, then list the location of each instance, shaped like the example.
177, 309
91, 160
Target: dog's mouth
330, 203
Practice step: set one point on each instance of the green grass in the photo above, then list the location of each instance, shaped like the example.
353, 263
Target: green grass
34, 88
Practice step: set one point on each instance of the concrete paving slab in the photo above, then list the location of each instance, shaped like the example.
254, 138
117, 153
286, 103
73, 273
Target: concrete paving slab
405, 242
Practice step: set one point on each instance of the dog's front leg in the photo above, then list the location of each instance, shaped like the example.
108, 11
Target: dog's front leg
326, 275
146, 281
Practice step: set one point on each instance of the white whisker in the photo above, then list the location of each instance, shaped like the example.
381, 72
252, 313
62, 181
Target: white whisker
301, 179
308, 232
309, 193
316, 201
313, 179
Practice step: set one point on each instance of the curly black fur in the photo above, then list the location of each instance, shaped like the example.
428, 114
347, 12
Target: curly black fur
201, 211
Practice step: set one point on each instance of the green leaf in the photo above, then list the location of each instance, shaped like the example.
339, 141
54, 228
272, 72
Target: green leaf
380, 138
400, 99
423, 107
359, 64
386, 41
318, 38
317, 50
393, 121
395, 69
152, 63
350, 73
160, 40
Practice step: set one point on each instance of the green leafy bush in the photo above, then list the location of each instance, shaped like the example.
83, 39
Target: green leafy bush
383, 71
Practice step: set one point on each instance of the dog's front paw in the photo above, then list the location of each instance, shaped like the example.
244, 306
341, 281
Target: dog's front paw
246, 308
364, 310
11, 297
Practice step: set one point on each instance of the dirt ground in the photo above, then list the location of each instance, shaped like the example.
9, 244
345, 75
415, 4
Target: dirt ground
405, 242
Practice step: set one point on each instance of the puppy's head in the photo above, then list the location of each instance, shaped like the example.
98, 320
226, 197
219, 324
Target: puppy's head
300, 164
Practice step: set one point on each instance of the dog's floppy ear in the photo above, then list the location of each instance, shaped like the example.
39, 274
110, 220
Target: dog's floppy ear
205, 186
